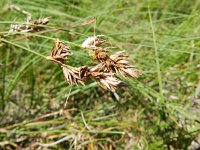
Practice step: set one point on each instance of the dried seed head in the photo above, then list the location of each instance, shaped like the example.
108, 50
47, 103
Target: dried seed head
30, 25
101, 55
72, 75
19, 28
59, 52
41, 21
130, 71
84, 72
76, 75
93, 42
110, 83
116, 62
107, 80
104, 73
121, 63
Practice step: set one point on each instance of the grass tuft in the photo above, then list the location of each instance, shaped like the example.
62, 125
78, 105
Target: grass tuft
159, 110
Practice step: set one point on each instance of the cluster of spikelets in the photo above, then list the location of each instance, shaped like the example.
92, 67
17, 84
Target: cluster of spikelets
30, 25
103, 73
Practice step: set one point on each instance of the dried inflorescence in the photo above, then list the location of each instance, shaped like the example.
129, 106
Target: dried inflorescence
60, 52
107, 80
30, 25
116, 62
103, 73
72, 75
93, 42
121, 64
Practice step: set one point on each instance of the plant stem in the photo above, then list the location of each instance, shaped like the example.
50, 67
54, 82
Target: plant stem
24, 48
157, 57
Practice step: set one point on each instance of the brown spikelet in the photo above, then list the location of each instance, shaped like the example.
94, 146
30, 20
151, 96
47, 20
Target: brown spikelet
120, 63
103, 73
101, 55
109, 83
60, 52
116, 62
105, 79
72, 75
41, 21
93, 42
30, 25
84, 73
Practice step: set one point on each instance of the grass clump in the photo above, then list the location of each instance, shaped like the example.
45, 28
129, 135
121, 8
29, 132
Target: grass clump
160, 110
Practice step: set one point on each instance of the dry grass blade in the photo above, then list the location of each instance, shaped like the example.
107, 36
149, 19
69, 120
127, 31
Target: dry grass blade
57, 28
89, 21
72, 136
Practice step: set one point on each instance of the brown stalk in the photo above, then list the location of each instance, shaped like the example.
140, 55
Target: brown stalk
89, 21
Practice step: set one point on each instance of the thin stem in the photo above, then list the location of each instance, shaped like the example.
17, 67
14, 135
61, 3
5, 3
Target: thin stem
157, 56
86, 22
65, 105
27, 49
57, 142
95, 23
86, 125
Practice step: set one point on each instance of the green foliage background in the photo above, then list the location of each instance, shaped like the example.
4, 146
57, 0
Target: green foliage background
160, 110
